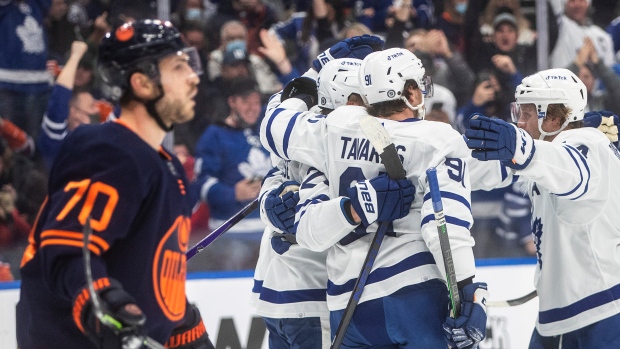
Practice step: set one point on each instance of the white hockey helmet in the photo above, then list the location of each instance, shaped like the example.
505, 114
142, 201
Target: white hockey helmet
552, 86
337, 80
384, 73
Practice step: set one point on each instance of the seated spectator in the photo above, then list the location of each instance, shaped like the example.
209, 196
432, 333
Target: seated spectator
13, 227
451, 22
379, 16
509, 59
527, 36
442, 105
573, 26
67, 109
17, 139
24, 178
304, 30
484, 100
602, 84
403, 16
234, 38
254, 15
230, 165
354, 29
449, 67
5, 272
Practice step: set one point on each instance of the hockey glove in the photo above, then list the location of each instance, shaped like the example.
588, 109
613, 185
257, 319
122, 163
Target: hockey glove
469, 329
117, 305
606, 121
192, 334
495, 139
303, 88
356, 47
280, 205
381, 199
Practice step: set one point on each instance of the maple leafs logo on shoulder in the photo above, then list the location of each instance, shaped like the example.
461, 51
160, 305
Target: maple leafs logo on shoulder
537, 227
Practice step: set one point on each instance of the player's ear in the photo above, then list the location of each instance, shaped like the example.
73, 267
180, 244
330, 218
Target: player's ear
141, 85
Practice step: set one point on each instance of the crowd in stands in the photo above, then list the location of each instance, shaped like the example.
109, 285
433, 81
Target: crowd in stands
476, 51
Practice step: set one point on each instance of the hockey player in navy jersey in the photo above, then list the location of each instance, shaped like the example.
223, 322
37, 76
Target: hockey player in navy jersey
570, 174
134, 190
290, 280
405, 301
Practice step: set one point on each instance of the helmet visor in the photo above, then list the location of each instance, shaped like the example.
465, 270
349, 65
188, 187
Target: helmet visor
515, 112
192, 58
427, 86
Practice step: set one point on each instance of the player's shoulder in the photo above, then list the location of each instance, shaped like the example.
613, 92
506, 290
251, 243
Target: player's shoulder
106, 145
433, 132
588, 136
346, 116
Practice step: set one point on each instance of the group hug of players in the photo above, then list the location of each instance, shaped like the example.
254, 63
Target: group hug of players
322, 204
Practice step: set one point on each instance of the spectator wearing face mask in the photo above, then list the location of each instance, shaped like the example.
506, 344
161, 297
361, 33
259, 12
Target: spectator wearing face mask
451, 22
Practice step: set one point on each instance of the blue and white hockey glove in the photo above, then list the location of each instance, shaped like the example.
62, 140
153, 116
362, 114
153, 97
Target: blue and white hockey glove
606, 121
495, 139
381, 199
356, 47
280, 205
469, 329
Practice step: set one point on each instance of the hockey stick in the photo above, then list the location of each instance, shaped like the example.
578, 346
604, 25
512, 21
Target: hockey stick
513, 302
249, 208
444, 241
380, 140
129, 342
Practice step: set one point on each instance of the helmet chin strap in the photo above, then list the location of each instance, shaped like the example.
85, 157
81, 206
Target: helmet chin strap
544, 134
420, 107
150, 108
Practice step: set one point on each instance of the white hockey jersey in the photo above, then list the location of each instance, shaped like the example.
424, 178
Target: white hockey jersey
572, 183
336, 146
289, 281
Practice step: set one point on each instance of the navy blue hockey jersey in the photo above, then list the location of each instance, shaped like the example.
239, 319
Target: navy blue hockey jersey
140, 220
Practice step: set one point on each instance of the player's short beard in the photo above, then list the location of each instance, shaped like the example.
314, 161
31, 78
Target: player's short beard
173, 111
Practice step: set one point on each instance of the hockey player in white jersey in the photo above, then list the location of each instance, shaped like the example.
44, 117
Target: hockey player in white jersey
571, 176
291, 281
405, 301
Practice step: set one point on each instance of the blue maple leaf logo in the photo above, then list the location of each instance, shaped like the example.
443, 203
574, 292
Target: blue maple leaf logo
537, 231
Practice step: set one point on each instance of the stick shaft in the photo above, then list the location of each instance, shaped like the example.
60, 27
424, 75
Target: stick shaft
358, 289
444, 241
513, 302
249, 208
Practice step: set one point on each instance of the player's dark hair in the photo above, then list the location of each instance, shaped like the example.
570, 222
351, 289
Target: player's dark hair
387, 108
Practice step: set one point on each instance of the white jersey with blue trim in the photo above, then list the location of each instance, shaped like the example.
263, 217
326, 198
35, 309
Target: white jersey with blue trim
290, 281
336, 146
573, 185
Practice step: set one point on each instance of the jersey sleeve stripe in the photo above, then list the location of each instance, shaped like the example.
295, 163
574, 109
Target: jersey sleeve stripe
287, 133
593, 301
451, 196
578, 163
292, 296
204, 191
76, 236
66, 242
449, 220
270, 141
411, 262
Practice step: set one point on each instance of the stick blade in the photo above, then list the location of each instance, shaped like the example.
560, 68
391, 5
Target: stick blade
382, 142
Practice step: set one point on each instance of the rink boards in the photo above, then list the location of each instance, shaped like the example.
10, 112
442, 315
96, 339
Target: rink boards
223, 299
